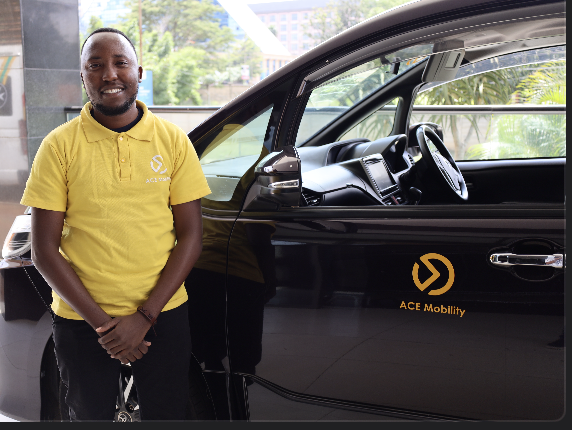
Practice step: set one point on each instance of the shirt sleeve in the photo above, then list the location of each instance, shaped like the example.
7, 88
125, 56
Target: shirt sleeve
188, 181
46, 187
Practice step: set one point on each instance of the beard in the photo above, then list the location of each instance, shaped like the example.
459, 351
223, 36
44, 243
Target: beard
117, 110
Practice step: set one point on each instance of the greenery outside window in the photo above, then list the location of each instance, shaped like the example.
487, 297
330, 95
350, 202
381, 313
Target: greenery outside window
335, 96
533, 83
379, 124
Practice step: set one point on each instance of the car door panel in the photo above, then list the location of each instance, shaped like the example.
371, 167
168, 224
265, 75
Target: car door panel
515, 181
348, 322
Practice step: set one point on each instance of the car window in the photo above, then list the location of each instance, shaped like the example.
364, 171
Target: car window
335, 96
512, 106
235, 148
379, 124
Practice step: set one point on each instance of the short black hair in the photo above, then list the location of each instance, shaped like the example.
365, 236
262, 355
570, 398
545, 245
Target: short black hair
109, 30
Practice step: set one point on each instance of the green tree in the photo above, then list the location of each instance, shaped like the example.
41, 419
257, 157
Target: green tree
340, 15
495, 87
246, 52
176, 74
190, 22
182, 43
95, 22
515, 136
381, 6
547, 85
526, 136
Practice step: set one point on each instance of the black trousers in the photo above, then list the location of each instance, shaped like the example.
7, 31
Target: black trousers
92, 376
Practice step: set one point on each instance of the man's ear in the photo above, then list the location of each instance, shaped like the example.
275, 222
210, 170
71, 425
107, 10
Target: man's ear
140, 73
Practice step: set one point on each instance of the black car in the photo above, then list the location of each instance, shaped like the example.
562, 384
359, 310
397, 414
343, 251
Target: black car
385, 238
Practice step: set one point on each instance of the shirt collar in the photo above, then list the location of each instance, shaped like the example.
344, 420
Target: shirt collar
94, 131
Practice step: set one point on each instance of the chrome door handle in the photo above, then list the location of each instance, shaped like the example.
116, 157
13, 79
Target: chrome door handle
507, 259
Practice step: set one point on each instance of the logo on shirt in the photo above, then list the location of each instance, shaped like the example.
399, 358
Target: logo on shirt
159, 161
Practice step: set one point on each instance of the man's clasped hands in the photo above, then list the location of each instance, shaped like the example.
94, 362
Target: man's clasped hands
123, 337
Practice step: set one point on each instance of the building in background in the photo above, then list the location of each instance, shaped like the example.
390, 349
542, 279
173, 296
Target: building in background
274, 53
290, 19
228, 21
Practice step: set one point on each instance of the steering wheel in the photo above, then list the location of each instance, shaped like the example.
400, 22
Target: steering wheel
441, 163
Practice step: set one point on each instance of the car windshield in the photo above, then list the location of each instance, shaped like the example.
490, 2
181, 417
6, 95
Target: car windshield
335, 96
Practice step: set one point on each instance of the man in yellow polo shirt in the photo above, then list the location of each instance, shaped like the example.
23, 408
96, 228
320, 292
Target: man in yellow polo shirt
116, 228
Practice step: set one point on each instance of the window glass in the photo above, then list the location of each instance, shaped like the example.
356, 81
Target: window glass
294, 26
294, 46
294, 17
262, 18
334, 97
283, 37
282, 17
294, 36
272, 18
283, 27
525, 96
234, 149
379, 124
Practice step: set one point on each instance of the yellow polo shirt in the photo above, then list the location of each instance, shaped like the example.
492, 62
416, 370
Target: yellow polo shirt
116, 190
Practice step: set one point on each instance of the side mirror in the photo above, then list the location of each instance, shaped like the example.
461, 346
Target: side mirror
277, 181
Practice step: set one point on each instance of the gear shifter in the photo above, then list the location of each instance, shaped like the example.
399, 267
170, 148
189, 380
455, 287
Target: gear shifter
416, 195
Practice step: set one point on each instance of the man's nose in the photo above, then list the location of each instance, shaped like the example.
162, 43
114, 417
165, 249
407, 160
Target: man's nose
109, 73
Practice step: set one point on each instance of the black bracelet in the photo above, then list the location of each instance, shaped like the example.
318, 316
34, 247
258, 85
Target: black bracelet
152, 319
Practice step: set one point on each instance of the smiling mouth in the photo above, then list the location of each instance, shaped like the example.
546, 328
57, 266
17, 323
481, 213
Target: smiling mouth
112, 91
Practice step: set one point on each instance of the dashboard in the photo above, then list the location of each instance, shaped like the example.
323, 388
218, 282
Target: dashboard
356, 172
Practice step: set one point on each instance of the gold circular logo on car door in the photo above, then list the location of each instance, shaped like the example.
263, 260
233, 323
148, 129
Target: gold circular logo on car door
434, 274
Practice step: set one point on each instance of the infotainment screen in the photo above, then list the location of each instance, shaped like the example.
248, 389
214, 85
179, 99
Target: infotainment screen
377, 173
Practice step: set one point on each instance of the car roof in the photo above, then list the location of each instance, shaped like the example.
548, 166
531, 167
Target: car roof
516, 23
